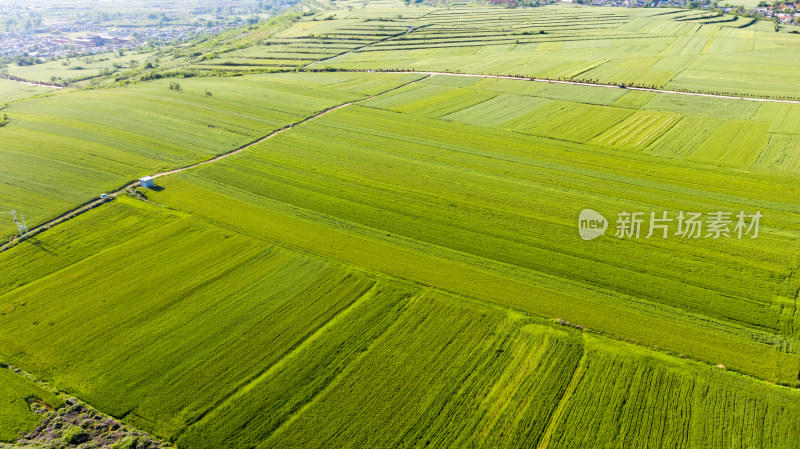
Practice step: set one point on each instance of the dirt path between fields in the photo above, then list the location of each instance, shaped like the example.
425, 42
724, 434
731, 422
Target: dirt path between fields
578, 83
97, 202
32, 83
352, 50
113, 194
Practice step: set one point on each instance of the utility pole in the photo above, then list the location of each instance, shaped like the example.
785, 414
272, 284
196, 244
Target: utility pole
21, 226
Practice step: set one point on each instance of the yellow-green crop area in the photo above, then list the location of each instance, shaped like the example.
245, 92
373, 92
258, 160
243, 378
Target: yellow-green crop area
489, 213
406, 270
268, 346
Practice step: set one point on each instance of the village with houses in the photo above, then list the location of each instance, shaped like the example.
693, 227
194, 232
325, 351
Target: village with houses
786, 13
780, 12
49, 43
39, 33
32, 39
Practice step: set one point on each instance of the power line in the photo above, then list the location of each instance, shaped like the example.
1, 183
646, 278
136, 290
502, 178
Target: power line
22, 227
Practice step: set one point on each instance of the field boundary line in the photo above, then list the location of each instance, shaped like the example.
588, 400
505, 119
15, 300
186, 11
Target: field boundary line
31, 83
250, 383
72, 213
580, 83
338, 378
311, 337
353, 50
558, 412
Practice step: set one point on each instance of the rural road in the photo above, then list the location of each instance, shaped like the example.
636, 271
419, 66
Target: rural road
33, 84
97, 202
577, 83
113, 194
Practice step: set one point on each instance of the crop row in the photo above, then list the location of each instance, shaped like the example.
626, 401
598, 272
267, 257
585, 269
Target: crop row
484, 205
168, 347
701, 134
65, 149
447, 374
629, 399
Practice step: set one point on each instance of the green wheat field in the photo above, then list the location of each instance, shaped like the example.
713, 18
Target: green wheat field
405, 271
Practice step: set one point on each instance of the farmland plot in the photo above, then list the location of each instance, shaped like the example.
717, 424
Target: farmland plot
439, 355
638, 130
627, 398
579, 94
703, 107
781, 153
407, 271
13, 91
15, 414
66, 149
462, 376
270, 400
435, 104
753, 73
380, 188
783, 118
634, 99
194, 341
496, 111
685, 137
558, 119
735, 143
